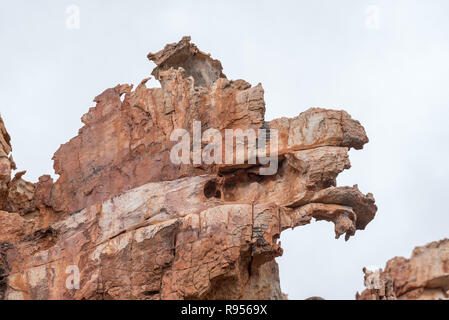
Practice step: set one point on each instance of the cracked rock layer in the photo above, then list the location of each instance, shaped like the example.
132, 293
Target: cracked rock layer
140, 227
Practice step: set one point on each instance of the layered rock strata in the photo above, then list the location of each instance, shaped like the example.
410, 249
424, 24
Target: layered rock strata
425, 276
132, 224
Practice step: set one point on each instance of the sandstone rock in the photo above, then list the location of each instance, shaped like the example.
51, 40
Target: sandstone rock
13, 226
138, 226
16, 195
204, 70
6, 163
425, 276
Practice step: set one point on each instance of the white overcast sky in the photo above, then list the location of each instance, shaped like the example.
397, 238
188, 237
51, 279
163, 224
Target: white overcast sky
385, 62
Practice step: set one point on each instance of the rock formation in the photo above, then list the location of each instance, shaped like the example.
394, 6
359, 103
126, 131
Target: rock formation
425, 276
136, 225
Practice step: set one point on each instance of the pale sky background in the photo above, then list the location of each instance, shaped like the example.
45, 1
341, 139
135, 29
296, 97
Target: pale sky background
391, 73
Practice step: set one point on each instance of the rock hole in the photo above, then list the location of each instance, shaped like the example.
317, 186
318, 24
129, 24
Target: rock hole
211, 189
150, 292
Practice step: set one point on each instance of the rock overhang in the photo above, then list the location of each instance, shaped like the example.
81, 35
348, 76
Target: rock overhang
176, 231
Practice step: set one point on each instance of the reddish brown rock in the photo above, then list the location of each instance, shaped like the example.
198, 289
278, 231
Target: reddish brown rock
204, 70
16, 194
13, 226
6, 164
425, 276
138, 226
126, 144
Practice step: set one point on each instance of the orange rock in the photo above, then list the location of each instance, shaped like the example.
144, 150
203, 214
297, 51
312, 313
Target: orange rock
137, 226
425, 276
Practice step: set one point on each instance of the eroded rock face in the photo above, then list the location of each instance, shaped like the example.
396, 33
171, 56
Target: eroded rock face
138, 226
184, 54
6, 164
425, 276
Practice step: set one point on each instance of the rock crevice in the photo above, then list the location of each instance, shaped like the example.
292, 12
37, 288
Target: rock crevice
425, 276
136, 225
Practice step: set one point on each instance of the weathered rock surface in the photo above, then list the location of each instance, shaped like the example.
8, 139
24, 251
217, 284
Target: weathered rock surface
138, 226
425, 276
